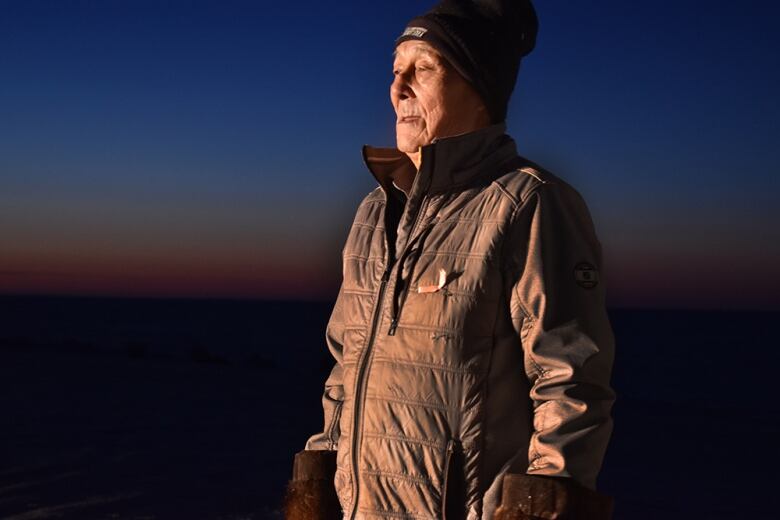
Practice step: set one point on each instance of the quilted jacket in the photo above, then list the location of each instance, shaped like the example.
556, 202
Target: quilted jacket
470, 345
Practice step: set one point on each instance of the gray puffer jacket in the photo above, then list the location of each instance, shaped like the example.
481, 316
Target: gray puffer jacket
473, 350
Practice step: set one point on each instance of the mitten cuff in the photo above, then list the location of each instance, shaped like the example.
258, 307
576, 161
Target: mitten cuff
312, 465
532, 497
311, 494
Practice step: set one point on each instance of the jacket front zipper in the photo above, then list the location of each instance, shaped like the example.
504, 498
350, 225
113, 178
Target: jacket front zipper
360, 388
363, 364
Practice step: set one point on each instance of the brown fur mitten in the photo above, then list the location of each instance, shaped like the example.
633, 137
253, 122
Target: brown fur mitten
311, 494
535, 497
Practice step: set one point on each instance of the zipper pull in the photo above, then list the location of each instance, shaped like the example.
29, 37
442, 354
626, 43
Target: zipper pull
396, 309
393, 326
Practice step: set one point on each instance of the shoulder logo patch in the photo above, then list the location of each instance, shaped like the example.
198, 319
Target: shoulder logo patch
586, 275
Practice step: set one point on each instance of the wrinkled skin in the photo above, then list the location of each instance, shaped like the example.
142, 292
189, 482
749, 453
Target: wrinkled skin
431, 99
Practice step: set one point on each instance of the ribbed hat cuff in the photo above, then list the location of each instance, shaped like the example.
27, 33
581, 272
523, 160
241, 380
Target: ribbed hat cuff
428, 29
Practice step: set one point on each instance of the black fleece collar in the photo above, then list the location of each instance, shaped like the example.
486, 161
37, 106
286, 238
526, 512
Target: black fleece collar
445, 163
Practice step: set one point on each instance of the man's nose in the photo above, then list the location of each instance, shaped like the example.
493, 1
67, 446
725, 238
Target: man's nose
401, 86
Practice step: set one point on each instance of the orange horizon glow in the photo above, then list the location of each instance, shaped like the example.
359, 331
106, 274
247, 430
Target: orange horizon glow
631, 281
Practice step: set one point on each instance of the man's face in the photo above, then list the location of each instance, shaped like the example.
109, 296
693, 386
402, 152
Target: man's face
430, 98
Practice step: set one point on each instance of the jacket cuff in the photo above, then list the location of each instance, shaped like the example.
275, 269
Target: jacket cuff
530, 497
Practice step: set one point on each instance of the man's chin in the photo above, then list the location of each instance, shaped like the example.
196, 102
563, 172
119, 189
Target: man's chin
407, 148
408, 143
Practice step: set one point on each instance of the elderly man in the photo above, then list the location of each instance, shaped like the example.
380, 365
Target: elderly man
472, 348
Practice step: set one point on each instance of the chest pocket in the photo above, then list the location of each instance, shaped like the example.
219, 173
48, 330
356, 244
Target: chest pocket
450, 281
404, 273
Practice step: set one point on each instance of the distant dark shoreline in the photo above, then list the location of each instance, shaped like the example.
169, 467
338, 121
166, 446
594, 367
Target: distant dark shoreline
324, 301
182, 299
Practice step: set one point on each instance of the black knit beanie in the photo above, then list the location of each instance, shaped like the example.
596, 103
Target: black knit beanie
484, 41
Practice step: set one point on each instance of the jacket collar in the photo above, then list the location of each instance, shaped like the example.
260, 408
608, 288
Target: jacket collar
446, 162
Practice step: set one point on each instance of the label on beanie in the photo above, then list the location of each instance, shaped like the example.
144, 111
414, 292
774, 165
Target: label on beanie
417, 32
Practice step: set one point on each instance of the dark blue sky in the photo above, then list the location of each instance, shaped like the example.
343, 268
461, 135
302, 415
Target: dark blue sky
213, 148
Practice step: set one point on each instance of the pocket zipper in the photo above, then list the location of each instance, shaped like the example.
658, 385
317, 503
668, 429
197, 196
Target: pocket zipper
445, 485
335, 424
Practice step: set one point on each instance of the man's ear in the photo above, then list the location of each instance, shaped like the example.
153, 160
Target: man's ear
484, 114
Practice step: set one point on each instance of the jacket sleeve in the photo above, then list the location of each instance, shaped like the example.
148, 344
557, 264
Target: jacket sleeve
557, 305
333, 396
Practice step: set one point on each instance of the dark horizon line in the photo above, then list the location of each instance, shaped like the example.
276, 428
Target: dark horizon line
289, 300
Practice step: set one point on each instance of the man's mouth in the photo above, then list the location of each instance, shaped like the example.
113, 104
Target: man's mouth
408, 119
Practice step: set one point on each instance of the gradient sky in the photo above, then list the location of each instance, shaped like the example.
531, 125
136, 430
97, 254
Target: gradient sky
213, 148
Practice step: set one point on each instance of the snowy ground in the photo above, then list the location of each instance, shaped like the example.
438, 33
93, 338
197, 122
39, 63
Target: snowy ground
132, 433
103, 436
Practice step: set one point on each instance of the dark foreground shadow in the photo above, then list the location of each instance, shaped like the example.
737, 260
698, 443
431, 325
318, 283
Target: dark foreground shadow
136, 431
